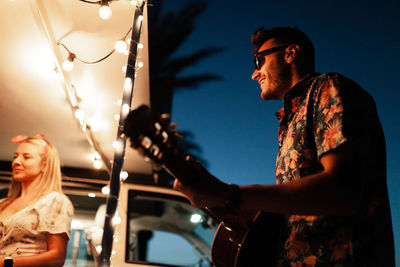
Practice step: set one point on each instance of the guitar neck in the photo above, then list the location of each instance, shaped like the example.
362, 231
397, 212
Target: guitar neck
176, 164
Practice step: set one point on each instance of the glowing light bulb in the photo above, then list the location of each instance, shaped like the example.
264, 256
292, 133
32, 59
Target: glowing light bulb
128, 83
97, 164
98, 249
105, 12
95, 123
79, 114
137, 2
68, 64
117, 145
117, 117
123, 68
140, 64
95, 155
121, 46
140, 46
125, 109
123, 176
116, 220
105, 190
92, 195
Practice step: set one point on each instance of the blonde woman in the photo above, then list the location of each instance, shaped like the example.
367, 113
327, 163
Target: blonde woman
35, 218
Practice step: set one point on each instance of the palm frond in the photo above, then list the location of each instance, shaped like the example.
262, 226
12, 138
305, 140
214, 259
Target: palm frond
193, 81
176, 65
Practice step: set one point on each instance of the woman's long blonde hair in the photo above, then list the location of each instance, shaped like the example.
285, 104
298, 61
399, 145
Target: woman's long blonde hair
50, 180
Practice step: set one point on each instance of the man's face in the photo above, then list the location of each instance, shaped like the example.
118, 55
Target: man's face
274, 74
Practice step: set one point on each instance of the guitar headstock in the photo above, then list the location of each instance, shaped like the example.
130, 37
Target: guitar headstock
150, 133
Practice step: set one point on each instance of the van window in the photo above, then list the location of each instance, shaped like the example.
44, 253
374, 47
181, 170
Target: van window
166, 229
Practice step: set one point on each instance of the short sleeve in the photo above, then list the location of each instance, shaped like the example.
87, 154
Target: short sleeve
328, 116
55, 214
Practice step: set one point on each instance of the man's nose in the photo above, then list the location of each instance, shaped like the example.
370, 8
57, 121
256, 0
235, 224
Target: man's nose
255, 74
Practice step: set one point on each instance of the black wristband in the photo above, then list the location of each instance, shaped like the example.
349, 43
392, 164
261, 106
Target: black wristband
232, 200
8, 262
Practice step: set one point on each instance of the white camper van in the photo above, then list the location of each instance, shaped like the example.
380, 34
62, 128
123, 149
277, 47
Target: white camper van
154, 226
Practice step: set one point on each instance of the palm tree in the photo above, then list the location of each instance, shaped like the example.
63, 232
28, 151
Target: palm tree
167, 32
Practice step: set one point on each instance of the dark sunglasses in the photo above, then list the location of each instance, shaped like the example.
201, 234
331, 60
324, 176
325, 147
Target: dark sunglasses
259, 59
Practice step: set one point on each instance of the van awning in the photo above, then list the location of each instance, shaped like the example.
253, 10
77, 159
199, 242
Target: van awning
37, 95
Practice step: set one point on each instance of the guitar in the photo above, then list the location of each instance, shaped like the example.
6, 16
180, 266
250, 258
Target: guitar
241, 240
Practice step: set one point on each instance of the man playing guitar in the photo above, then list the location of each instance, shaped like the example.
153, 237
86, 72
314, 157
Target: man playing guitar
331, 166
330, 205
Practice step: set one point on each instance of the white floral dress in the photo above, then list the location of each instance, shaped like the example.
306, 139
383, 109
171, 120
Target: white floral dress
24, 233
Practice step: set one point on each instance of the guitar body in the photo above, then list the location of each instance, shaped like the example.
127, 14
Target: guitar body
248, 239
248, 242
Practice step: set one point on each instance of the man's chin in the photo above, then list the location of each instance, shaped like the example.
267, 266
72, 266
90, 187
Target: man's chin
266, 96
269, 95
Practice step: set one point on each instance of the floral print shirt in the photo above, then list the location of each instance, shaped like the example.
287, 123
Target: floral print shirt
25, 232
321, 113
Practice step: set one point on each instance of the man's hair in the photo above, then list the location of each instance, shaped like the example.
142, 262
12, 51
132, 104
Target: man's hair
50, 180
287, 35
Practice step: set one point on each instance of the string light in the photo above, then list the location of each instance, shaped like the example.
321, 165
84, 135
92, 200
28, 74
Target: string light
105, 190
72, 56
97, 164
116, 219
118, 146
96, 159
95, 123
128, 84
68, 64
79, 114
125, 109
105, 11
137, 2
123, 176
121, 46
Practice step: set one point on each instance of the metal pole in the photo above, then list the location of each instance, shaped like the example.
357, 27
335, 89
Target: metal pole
112, 199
